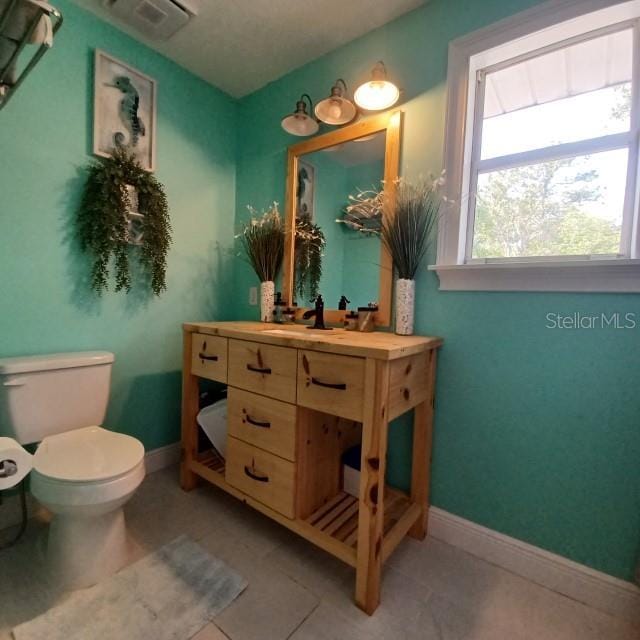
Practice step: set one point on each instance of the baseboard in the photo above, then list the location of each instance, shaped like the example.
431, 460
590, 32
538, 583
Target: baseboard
594, 588
162, 457
154, 460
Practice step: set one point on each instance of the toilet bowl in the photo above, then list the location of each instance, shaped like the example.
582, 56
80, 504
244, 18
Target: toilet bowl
82, 474
84, 477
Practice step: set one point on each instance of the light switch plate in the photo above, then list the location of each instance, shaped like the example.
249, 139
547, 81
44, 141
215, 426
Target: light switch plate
253, 296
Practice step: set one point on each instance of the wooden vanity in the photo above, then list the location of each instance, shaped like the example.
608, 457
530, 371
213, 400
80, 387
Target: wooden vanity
297, 399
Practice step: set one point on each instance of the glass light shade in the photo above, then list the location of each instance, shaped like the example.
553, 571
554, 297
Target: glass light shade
335, 110
376, 95
300, 124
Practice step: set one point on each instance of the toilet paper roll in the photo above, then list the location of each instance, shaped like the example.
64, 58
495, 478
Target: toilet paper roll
15, 463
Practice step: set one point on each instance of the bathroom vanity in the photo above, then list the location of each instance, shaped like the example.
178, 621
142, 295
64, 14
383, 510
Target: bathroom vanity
297, 399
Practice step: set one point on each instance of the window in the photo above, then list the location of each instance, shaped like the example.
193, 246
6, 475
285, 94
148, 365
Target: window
543, 173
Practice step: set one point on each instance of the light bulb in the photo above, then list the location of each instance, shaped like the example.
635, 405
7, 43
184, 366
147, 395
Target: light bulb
376, 95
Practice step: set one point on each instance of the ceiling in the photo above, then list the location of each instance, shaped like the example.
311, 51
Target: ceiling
241, 45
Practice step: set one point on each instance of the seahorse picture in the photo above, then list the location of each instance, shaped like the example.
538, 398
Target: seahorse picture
124, 110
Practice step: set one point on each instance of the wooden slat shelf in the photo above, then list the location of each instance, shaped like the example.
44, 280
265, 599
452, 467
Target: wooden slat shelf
212, 460
338, 518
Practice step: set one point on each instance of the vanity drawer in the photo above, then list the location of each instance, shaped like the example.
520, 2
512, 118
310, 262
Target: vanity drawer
261, 475
263, 368
263, 422
209, 357
330, 383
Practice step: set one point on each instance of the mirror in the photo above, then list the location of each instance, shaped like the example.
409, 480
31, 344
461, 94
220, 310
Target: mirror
331, 180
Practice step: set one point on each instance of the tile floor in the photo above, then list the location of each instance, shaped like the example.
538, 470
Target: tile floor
431, 591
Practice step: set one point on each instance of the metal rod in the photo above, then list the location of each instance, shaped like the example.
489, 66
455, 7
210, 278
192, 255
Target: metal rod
57, 20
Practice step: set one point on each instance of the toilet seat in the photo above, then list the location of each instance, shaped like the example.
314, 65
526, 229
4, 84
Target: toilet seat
90, 454
88, 467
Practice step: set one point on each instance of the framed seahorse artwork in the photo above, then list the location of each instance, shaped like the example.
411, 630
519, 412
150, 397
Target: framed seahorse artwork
124, 110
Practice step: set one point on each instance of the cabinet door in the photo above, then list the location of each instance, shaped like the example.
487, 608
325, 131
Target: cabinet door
331, 383
261, 475
263, 422
263, 368
209, 357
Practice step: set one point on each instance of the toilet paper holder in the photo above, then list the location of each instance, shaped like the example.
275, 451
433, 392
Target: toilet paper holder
8, 468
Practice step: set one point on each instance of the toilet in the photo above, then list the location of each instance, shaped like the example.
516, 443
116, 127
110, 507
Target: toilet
82, 473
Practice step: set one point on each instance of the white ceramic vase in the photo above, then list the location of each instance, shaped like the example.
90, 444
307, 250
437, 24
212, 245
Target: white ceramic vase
405, 306
267, 296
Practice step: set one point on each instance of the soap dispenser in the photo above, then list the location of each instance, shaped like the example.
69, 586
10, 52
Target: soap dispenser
278, 309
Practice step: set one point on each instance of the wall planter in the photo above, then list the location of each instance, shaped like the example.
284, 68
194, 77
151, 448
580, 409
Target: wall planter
109, 224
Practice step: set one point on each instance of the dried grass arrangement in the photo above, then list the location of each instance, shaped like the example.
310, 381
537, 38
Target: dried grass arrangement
262, 239
408, 232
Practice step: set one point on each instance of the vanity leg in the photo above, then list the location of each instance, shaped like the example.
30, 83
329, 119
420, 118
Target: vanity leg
372, 476
421, 464
188, 479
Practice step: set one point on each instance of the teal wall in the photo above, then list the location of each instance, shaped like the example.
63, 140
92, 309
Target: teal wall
45, 139
537, 431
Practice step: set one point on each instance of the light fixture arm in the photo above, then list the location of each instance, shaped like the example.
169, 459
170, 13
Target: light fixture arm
336, 90
301, 106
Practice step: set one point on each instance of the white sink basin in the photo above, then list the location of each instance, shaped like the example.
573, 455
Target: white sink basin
296, 334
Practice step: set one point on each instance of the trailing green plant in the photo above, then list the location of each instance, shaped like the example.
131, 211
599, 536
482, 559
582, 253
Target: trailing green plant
309, 249
103, 223
408, 229
262, 239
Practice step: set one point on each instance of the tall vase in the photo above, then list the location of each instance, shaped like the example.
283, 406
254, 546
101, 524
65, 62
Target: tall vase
405, 306
267, 295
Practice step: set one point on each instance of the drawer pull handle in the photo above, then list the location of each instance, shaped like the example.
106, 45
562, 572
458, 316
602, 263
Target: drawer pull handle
203, 356
255, 369
258, 423
255, 476
340, 386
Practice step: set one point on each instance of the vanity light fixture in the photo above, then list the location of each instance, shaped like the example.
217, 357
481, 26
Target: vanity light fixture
379, 93
336, 109
300, 123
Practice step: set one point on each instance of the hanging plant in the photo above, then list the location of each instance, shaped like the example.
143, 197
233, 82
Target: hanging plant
309, 247
104, 223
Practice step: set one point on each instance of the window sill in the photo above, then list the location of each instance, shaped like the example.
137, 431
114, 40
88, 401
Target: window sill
616, 276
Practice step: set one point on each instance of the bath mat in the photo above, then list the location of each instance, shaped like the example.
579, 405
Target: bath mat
168, 595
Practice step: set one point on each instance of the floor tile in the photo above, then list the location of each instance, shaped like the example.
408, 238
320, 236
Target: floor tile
315, 569
326, 622
271, 607
210, 632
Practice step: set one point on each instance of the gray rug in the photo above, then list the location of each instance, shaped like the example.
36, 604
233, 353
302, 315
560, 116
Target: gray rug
168, 595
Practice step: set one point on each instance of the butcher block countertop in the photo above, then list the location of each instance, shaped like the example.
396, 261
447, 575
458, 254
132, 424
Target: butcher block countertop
380, 345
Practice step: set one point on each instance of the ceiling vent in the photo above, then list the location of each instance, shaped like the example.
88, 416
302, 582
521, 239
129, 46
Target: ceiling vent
156, 19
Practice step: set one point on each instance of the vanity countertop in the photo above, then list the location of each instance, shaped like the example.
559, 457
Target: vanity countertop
380, 345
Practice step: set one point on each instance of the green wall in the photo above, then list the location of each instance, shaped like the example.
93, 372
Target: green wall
45, 306
537, 431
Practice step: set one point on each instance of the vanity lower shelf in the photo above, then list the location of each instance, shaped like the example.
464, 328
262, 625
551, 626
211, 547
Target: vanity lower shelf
332, 527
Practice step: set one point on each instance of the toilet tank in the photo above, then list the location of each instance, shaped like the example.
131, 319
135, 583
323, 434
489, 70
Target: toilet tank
44, 395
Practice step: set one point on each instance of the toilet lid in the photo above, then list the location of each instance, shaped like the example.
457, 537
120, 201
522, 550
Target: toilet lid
87, 454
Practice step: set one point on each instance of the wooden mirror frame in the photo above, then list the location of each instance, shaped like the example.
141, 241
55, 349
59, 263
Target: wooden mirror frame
390, 123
